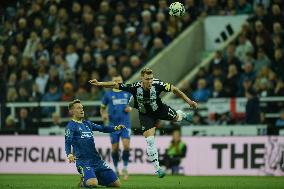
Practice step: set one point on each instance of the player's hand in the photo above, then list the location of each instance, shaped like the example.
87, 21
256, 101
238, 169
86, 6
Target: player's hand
193, 104
94, 82
119, 127
71, 158
128, 109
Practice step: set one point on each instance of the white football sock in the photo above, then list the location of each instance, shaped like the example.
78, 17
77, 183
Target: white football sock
152, 152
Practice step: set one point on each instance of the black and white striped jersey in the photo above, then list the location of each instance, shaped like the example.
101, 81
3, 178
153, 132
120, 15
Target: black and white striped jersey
147, 101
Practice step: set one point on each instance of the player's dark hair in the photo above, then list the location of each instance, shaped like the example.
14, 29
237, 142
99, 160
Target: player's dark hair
71, 104
146, 71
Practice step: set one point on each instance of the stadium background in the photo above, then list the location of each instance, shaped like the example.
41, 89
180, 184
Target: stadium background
221, 54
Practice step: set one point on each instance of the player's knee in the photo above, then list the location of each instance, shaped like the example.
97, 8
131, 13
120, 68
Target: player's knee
92, 182
115, 153
114, 148
178, 118
126, 147
117, 184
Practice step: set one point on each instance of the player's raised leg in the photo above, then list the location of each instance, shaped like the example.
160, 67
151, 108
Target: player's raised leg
183, 116
168, 113
152, 151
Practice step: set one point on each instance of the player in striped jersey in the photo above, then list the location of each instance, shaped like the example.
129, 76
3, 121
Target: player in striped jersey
151, 108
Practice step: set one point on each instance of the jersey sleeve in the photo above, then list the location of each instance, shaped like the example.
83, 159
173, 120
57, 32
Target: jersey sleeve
69, 131
163, 86
127, 87
105, 100
130, 98
100, 128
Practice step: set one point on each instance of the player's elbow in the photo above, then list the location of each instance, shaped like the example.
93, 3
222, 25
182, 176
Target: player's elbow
92, 183
175, 90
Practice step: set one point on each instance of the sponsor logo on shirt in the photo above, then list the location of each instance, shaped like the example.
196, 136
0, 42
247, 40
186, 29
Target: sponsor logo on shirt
119, 101
86, 134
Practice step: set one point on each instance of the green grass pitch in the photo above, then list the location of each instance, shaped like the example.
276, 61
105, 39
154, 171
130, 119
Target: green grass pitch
11, 181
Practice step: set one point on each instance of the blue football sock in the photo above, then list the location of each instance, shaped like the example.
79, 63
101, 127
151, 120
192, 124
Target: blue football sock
115, 158
125, 157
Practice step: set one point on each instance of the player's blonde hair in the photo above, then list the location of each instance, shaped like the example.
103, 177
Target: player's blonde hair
146, 71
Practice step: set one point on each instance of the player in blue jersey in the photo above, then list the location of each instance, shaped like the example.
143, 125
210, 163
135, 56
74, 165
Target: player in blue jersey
115, 111
146, 94
94, 171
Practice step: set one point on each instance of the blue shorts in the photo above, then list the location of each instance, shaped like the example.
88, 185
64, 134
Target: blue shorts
104, 174
124, 134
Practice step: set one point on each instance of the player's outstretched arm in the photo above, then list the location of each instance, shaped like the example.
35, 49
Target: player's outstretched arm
107, 84
180, 94
109, 129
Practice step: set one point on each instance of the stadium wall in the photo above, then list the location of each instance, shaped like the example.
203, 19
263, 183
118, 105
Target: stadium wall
205, 155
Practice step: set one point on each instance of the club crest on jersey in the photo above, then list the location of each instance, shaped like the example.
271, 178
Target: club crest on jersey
67, 132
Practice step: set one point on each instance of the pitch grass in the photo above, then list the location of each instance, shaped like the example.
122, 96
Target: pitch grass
11, 181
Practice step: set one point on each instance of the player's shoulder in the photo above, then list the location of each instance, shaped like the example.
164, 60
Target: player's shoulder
135, 84
108, 92
125, 92
86, 122
158, 82
161, 84
70, 124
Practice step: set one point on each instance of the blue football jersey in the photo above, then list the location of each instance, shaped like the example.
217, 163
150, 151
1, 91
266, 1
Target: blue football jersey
79, 135
117, 101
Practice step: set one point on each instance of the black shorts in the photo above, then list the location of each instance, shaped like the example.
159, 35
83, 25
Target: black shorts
149, 120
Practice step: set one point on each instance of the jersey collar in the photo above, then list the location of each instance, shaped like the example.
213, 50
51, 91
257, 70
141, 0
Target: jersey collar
116, 90
77, 121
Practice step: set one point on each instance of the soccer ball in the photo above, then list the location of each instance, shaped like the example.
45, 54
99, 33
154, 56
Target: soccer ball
176, 9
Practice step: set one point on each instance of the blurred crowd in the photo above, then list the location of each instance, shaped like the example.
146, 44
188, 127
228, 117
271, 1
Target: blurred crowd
251, 67
49, 49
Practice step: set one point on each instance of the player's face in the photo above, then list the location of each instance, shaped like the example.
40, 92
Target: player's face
176, 136
78, 111
117, 79
147, 81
